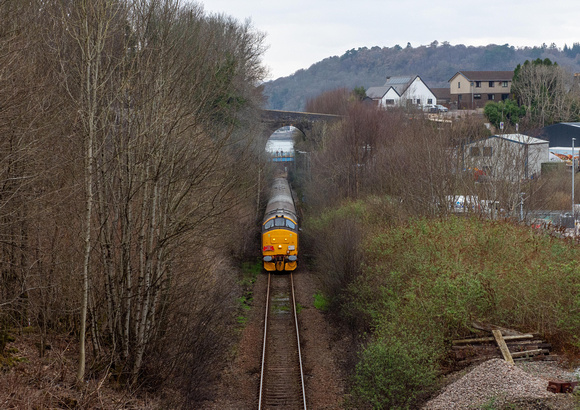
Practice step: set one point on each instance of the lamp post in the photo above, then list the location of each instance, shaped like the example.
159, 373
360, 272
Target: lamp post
573, 172
471, 90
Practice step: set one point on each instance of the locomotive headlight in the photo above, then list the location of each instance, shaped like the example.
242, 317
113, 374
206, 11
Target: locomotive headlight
291, 248
279, 246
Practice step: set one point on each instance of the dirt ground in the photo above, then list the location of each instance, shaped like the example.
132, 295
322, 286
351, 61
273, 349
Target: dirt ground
48, 382
321, 354
324, 352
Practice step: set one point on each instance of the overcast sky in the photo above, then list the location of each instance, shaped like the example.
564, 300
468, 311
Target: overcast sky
300, 33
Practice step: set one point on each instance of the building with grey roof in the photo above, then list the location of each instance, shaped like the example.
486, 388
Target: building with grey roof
402, 91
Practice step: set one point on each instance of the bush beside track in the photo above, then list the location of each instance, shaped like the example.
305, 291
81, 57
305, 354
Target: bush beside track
409, 288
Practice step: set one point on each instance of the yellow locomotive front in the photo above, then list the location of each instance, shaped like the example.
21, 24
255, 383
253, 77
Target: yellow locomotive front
280, 244
280, 229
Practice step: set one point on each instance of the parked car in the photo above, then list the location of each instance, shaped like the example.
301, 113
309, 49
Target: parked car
435, 108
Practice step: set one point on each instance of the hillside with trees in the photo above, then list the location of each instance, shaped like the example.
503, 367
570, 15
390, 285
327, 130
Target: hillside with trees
436, 63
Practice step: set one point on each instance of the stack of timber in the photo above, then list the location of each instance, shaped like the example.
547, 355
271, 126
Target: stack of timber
501, 343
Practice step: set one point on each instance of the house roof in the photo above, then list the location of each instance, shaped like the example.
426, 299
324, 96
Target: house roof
442, 93
377, 92
521, 139
486, 75
401, 83
561, 134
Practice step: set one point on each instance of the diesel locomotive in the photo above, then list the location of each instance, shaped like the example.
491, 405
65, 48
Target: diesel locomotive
280, 229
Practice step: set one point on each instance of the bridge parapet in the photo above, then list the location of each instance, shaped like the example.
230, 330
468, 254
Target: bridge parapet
285, 116
275, 119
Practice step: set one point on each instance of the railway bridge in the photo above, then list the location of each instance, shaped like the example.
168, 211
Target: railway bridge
304, 121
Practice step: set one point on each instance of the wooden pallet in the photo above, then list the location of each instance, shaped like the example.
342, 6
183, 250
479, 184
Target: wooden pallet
502, 343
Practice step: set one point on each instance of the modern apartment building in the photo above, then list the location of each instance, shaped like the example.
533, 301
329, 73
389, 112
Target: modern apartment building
473, 89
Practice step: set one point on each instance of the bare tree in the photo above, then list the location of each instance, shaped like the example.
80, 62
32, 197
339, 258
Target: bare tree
26, 114
89, 25
331, 102
118, 198
160, 114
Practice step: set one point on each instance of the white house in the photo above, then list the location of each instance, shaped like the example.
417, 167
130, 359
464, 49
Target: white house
402, 91
507, 156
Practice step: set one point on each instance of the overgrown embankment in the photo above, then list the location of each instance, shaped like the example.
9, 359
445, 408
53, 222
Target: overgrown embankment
409, 288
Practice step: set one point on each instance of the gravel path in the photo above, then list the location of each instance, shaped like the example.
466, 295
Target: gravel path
496, 383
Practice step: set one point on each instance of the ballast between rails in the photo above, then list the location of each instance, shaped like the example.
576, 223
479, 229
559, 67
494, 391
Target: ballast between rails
281, 364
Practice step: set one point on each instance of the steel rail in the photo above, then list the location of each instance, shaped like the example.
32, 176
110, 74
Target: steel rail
265, 395
298, 340
264, 346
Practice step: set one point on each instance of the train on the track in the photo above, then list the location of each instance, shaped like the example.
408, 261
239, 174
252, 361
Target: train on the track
280, 229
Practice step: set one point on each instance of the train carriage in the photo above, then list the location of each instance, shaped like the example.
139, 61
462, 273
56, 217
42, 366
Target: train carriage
280, 229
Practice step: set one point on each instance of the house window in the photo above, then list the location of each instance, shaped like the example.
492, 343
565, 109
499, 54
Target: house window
429, 100
477, 96
491, 97
504, 97
478, 84
458, 84
487, 151
474, 152
418, 101
491, 84
389, 102
504, 84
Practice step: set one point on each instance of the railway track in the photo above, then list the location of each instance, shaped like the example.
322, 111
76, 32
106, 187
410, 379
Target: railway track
281, 380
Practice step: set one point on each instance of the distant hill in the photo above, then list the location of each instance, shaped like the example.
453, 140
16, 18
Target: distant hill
435, 64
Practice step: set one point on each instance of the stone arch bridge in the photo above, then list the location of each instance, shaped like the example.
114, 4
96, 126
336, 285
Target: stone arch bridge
275, 119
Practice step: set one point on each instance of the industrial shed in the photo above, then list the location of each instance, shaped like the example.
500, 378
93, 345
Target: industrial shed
561, 134
507, 156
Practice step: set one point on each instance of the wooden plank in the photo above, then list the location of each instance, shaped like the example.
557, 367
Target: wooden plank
539, 358
512, 344
502, 346
491, 339
530, 353
488, 328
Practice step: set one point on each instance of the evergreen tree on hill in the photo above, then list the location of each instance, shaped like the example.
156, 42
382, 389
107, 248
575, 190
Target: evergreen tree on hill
436, 63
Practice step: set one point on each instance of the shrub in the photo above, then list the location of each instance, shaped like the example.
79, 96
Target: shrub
393, 374
337, 248
458, 270
321, 302
423, 284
